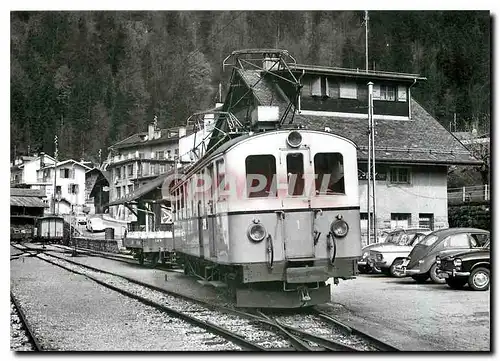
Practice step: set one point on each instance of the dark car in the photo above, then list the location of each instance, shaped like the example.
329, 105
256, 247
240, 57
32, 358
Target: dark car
421, 262
466, 266
401, 237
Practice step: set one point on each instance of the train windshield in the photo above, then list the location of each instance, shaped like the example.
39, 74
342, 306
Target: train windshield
261, 176
295, 173
329, 172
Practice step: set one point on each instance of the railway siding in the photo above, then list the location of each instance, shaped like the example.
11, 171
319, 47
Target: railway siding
68, 312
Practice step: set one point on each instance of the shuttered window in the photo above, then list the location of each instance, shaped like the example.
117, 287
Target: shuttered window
349, 90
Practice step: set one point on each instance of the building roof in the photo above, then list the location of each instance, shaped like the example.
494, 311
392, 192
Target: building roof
27, 192
419, 140
358, 73
65, 162
138, 138
142, 190
28, 202
24, 197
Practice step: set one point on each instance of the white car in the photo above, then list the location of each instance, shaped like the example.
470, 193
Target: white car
388, 256
95, 225
81, 219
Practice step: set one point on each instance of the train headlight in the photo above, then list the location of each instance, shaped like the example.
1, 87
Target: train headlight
339, 228
256, 232
294, 139
457, 262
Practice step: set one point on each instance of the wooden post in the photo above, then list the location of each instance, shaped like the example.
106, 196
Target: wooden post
486, 198
463, 194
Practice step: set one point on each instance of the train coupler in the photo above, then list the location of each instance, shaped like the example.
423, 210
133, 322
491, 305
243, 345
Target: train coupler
304, 294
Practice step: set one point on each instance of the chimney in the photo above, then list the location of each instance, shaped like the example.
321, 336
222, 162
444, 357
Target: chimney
182, 132
42, 159
151, 131
157, 133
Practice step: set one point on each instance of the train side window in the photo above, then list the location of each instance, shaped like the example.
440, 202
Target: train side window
220, 179
329, 172
295, 173
261, 176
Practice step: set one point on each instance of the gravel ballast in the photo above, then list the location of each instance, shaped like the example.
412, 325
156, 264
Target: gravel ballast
68, 312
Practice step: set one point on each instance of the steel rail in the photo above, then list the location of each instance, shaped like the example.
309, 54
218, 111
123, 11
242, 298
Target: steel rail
210, 327
27, 326
381, 345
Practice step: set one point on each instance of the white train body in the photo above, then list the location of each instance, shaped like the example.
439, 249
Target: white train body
220, 225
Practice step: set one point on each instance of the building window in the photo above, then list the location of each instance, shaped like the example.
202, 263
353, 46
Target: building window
141, 155
400, 175
58, 189
73, 188
168, 154
387, 92
295, 173
329, 173
401, 93
130, 170
400, 220
261, 176
426, 220
130, 188
65, 173
162, 168
118, 192
363, 216
160, 154
319, 87
348, 90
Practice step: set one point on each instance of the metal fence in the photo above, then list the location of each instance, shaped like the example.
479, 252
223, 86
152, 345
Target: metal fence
469, 194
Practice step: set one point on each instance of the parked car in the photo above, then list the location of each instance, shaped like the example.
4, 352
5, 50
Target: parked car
81, 219
95, 225
470, 266
421, 262
392, 237
388, 257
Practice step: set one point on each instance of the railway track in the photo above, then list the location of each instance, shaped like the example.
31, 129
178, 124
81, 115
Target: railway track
25, 328
252, 330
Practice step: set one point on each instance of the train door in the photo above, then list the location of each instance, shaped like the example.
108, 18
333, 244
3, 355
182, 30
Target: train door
210, 214
199, 201
297, 221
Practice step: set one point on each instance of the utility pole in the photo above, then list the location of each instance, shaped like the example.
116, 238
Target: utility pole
55, 173
371, 168
366, 38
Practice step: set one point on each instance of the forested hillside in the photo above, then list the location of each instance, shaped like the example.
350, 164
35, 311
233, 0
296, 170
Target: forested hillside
93, 78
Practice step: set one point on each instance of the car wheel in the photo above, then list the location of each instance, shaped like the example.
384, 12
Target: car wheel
434, 275
455, 283
394, 271
420, 278
479, 279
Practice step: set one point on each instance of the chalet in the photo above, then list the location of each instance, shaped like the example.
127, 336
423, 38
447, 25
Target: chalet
69, 185
412, 150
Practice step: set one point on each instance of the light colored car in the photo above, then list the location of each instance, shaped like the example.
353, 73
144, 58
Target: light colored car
388, 256
95, 225
81, 219
390, 237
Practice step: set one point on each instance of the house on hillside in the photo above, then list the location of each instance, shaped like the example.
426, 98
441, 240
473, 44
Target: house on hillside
136, 161
412, 150
23, 171
69, 185
96, 190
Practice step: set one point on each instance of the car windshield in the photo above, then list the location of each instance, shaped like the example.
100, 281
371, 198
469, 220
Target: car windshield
400, 238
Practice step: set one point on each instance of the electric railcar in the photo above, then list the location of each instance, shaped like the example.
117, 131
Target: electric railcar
273, 215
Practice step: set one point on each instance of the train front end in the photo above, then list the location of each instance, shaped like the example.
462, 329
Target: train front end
296, 225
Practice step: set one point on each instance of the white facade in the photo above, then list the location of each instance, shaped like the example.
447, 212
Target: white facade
421, 202
70, 185
26, 171
195, 140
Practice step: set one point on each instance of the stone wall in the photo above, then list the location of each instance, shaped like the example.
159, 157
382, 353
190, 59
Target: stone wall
97, 244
